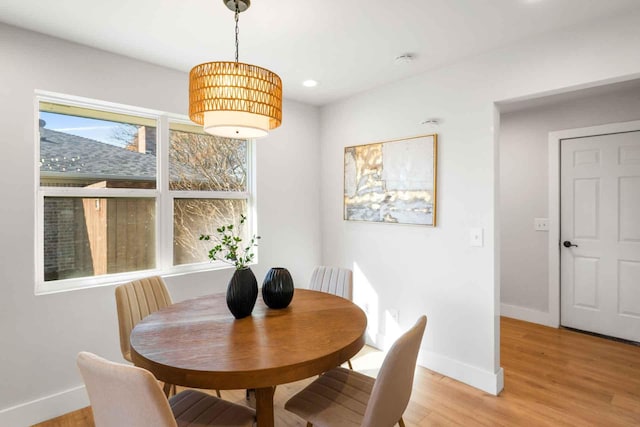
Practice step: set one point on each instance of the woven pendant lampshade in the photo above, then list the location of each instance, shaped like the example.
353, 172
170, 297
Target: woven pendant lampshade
233, 99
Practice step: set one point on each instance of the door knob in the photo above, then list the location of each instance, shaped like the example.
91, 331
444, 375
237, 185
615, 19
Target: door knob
568, 244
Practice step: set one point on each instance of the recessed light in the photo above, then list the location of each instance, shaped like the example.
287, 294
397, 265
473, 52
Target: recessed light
309, 83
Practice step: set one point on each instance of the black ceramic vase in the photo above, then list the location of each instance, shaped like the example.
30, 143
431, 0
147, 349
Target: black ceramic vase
242, 293
277, 288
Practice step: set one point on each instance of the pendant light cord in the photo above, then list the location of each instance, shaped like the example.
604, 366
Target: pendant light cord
237, 29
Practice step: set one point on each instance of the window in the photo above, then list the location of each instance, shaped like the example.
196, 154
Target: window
125, 192
208, 182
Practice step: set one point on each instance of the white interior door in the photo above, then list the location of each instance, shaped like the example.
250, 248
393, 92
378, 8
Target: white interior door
600, 214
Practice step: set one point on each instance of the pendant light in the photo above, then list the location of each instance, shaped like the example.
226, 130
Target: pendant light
233, 99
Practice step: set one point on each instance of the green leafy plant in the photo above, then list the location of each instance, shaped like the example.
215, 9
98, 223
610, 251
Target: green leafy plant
228, 245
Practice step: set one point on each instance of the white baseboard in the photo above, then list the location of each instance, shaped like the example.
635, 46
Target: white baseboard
486, 381
527, 314
491, 382
375, 340
44, 408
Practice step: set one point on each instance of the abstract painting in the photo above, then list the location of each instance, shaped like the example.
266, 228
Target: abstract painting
392, 182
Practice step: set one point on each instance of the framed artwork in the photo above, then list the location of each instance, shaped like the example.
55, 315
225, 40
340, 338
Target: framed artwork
392, 181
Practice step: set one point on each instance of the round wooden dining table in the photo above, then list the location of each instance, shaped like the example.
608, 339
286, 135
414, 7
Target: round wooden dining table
198, 343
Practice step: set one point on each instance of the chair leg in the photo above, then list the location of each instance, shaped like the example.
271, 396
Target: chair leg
166, 388
169, 389
218, 393
350, 365
309, 424
401, 422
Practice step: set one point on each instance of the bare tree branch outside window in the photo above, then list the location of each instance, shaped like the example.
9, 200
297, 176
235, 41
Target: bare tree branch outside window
200, 162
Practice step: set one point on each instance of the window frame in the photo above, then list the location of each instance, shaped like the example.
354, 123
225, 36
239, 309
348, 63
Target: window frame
164, 198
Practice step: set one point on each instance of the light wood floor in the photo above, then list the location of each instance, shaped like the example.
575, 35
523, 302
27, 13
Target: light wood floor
553, 377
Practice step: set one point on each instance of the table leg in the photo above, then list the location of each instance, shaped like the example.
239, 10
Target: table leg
264, 406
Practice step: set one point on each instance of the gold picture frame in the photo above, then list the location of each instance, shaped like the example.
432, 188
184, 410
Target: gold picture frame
392, 181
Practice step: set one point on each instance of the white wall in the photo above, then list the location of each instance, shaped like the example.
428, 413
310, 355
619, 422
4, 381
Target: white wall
524, 190
434, 270
40, 336
413, 269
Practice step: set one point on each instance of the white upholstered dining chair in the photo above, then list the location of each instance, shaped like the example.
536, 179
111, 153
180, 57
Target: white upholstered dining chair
345, 398
333, 280
123, 395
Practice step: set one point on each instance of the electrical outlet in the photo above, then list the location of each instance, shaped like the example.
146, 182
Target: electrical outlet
394, 315
541, 224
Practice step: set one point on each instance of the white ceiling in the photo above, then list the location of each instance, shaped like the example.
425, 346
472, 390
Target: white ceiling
348, 46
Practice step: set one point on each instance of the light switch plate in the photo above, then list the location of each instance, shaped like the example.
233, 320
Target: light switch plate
476, 237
